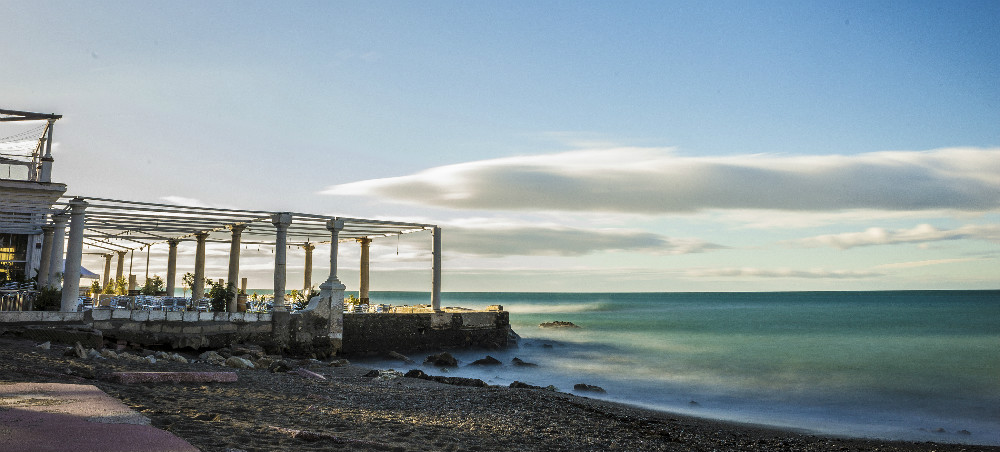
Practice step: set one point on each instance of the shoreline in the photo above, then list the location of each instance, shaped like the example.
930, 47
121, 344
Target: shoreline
267, 410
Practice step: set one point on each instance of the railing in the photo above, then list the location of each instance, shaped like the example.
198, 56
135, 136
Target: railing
17, 300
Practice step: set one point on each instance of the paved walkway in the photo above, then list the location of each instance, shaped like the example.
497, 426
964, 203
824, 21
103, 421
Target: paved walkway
49, 417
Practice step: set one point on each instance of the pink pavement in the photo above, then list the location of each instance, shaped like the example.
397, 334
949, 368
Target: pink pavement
50, 417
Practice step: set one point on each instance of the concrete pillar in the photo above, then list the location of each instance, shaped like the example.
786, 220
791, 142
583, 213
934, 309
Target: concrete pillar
281, 222
56, 258
436, 269
132, 283
198, 288
172, 267
365, 258
107, 269
234, 263
48, 232
120, 273
332, 291
46, 172
74, 255
307, 277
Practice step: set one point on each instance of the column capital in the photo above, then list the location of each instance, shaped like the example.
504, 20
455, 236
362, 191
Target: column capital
281, 220
335, 224
237, 228
48, 229
173, 242
308, 246
78, 203
60, 218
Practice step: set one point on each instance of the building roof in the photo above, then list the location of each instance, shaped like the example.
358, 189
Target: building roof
118, 225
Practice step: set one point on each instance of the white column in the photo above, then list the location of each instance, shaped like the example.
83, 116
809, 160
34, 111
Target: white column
436, 269
365, 264
332, 291
172, 267
107, 269
281, 222
56, 259
121, 266
48, 232
74, 255
234, 263
198, 288
308, 273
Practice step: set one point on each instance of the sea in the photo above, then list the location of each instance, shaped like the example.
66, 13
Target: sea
910, 365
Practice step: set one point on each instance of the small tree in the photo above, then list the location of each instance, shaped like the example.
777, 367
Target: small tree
187, 282
48, 299
95, 288
152, 285
221, 295
121, 286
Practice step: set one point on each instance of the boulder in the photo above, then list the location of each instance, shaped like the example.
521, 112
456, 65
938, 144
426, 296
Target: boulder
558, 324
338, 363
457, 381
108, 353
239, 363
45, 345
394, 355
79, 351
522, 385
443, 359
518, 362
210, 356
588, 388
487, 361
255, 351
279, 366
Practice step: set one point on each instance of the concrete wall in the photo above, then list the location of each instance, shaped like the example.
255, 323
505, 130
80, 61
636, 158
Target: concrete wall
302, 334
380, 333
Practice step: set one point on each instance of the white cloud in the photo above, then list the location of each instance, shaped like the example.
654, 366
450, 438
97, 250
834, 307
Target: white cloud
921, 234
654, 180
929, 262
182, 201
553, 240
746, 272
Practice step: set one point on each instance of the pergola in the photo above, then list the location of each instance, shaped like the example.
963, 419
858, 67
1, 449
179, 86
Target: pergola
121, 226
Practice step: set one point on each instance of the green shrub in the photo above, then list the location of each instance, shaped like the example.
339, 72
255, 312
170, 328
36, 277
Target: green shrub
48, 299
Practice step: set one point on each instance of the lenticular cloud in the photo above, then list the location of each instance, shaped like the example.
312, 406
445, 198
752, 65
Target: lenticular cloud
645, 180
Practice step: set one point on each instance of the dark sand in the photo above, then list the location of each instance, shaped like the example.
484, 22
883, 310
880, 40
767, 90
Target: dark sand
272, 411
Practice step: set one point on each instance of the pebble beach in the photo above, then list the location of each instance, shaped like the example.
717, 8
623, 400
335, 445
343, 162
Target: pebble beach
309, 405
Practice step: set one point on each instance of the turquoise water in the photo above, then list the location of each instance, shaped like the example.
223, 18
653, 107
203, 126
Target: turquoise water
917, 365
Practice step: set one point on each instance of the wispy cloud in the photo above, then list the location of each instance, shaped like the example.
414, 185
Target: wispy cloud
929, 262
921, 234
746, 272
655, 180
183, 201
554, 240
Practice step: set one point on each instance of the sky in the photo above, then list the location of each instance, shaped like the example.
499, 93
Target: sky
561, 145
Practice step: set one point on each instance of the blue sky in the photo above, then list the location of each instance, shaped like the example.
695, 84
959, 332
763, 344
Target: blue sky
593, 146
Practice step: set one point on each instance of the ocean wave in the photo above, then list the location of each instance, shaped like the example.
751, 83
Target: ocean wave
558, 308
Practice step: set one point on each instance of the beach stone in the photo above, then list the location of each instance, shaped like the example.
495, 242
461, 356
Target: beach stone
108, 353
79, 351
518, 362
149, 359
255, 351
339, 363
457, 381
588, 388
558, 324
45, 345
239, 363
91, 353
394, 355
487, 361
443, 359
279, 366
176, 357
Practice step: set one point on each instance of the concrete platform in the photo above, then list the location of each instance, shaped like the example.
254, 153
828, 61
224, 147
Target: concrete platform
49, 417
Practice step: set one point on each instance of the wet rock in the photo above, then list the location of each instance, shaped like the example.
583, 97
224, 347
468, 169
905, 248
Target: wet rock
442, 360
583, 387
522, 385
457, 381
487, 361
557, 324
239, 363
279, 366
518, 362
338, 363
394, 355
375, 372
964, 432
